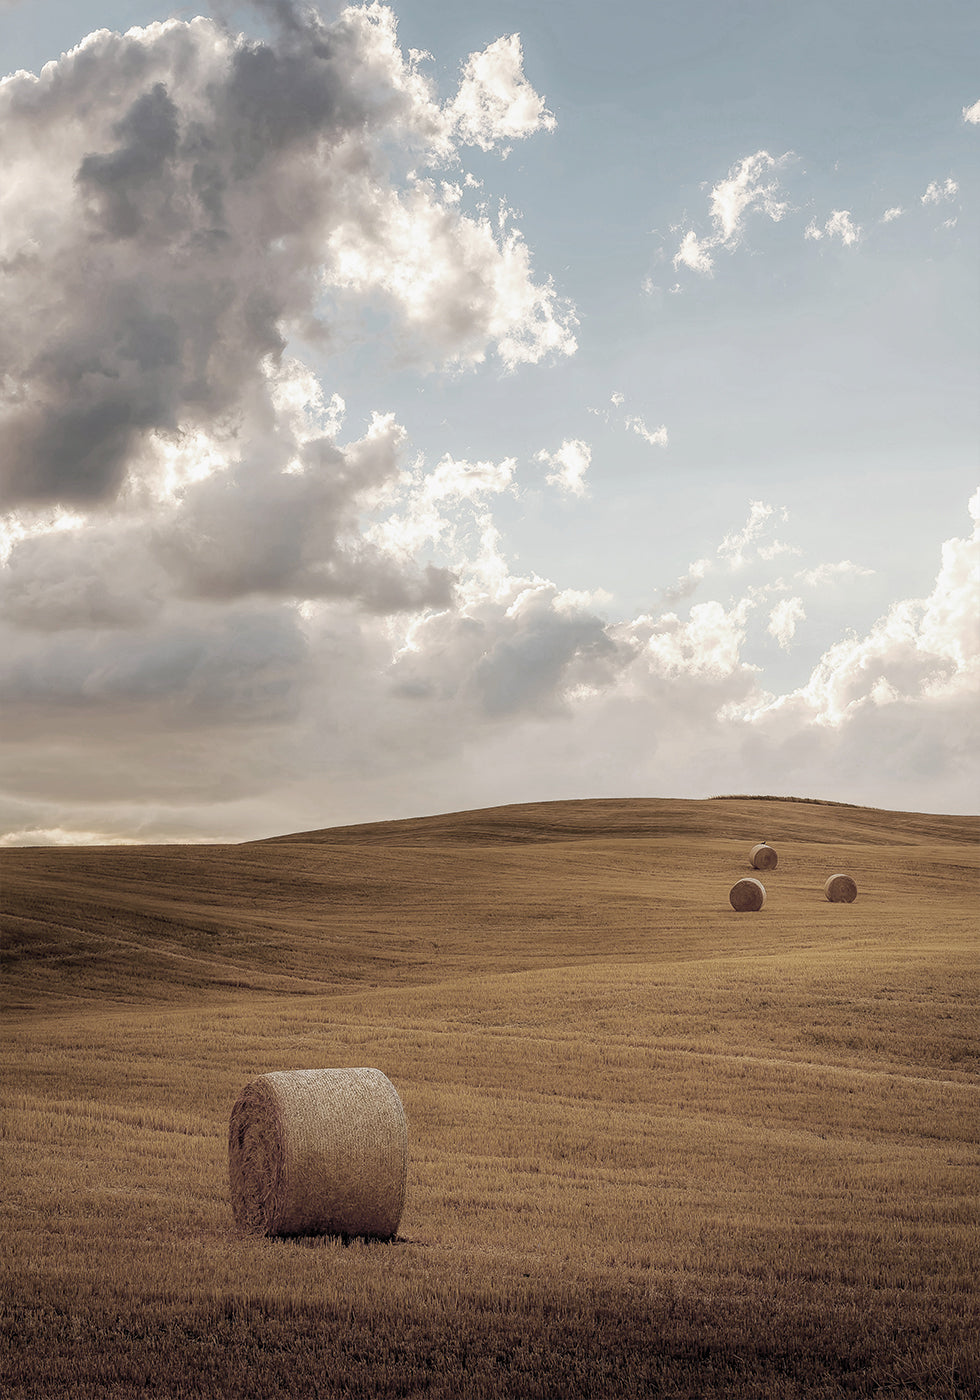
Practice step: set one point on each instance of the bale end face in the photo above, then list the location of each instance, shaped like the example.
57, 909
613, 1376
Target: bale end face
747, 896
840, 889
763, 857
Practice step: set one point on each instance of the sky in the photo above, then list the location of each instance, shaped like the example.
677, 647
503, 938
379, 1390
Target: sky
424, 407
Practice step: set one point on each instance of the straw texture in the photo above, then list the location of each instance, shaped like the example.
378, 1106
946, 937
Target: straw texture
763, 857
318, 1152
840, 889
747, 896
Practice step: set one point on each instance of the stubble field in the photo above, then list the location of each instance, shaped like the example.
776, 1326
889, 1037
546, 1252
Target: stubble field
657, 1148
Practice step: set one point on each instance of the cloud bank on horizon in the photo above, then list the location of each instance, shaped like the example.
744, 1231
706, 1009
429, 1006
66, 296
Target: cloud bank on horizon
226, 614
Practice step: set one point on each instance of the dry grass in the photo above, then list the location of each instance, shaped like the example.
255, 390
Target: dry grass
655, 1148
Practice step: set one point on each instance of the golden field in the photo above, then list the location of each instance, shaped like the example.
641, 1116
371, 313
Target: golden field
657, 1148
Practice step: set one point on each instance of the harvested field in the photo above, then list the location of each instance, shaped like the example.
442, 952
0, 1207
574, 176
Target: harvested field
656, 1148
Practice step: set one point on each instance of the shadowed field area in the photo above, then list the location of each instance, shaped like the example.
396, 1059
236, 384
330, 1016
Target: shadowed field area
656, 1147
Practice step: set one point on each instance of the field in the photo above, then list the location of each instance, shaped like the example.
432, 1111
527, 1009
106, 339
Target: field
657, 1148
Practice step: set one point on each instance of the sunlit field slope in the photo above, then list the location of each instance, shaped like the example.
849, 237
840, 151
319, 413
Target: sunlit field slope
657, 1148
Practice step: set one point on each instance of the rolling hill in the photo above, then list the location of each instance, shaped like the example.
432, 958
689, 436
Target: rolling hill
656, 1147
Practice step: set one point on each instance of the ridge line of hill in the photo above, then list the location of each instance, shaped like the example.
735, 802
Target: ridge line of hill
623, 818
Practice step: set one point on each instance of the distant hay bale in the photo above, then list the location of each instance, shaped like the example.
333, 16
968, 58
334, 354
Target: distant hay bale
747, 896
840, 889
763, 857
318, 1152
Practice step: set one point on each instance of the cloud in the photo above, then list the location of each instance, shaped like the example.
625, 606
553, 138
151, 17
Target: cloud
495, 101
735, 547
516, 646
839, 225
920, 650
569, 466
890, 215
829, 573
444, 507
707, 643
61, 836
259, 716
455, 283
226, 610
285, 519
737, 550
688, 583
972, 114
940, 191
59, 580
219, 197
746, 190
212, 666
656, 437
784, 619
696, 253
296, 533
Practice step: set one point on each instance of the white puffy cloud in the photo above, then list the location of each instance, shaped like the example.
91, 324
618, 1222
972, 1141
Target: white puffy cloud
784, 620
922, 649
972, 114
940, 191
707, 643
696, 253
656, 437
839, 225
456, 282
569, 465
495, 101
437, 507
748, 188
890, 215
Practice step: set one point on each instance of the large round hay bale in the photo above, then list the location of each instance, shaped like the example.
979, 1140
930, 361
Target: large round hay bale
747, 896
763, 857
840, 889
318, 1152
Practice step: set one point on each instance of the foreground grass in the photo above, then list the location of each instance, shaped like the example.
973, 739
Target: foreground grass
745, 1168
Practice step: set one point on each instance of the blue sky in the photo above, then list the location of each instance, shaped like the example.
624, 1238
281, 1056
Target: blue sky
589, 412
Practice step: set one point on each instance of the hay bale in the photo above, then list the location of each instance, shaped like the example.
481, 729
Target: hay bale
318, 1152
747, 896
840, 889
763, 857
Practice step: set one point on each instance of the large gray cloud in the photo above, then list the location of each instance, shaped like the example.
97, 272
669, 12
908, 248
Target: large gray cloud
178, 203
257, 716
